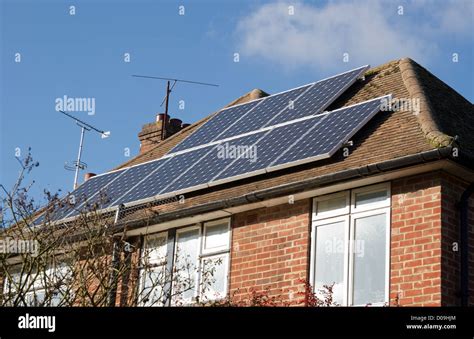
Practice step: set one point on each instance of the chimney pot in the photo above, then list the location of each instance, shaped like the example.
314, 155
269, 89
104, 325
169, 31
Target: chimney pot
176, 123
185, 125
87, 176
161, 117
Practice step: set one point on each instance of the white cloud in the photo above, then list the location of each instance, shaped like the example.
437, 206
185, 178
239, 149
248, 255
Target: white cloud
370, 31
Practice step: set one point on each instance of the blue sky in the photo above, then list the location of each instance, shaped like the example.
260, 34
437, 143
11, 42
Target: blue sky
82, 55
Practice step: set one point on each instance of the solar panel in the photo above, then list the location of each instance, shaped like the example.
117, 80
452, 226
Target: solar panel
276, 141
317, 137
129, 179
275, 109
157, 181
211, 128
270, 108
215, 161
327, 137
74, 201
288, 144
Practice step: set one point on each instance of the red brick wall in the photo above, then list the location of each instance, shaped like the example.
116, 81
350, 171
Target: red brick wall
270, 249
425, 225
415, 256
450, 263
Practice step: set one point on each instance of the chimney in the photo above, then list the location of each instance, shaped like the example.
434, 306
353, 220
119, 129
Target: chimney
87, 176
151, 134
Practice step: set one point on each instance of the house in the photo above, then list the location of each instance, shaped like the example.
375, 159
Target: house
385, 219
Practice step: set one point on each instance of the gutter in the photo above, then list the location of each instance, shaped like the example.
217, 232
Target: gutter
464, 234
301, 186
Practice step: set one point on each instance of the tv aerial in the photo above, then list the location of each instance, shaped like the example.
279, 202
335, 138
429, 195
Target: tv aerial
78, 164
169, 88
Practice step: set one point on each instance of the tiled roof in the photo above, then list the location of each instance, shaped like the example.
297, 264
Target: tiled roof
443, 114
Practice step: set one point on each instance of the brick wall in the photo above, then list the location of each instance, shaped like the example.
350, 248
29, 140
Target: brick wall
450, 263
425, 224
415, 256
270, 250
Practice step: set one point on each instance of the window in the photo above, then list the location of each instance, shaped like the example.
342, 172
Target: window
44, 288
153, 274
185, 263
350, 245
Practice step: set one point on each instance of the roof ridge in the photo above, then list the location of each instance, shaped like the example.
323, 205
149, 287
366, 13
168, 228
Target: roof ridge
426, 117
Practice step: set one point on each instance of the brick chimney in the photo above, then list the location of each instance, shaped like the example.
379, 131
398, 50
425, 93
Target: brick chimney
151, 134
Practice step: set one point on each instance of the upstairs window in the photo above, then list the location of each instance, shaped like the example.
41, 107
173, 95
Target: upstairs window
184, 265
350, 245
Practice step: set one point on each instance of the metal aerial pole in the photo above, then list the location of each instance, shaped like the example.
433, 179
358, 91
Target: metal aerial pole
79, 155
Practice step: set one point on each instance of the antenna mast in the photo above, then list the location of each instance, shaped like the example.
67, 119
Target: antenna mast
78, 164
168, 92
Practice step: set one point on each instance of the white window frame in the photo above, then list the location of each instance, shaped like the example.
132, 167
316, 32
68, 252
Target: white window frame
325, 222
223, 250
142, 280
226, 274
198, 262
203, 254
333, 213
371, 206
352, 213
38, 286
225, 247
350, 288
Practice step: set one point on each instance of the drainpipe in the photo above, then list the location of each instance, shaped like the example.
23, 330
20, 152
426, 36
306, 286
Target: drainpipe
464, 217
113, 278
112, 292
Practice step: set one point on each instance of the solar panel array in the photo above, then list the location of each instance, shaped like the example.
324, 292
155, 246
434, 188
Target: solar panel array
302, 139
275, 109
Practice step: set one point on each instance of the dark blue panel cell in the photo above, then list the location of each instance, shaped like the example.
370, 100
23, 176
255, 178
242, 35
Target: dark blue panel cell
269, 108
75, 200
108, 194
209, 131
337, 127
221, 156
171, 170
319, 97
270, 147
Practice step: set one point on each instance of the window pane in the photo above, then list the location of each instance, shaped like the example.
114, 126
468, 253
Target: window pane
152, 289
153, 274
369, 259
187, 252
330, 258
155, 249
365, 198
214, 277
331, 204
216, 236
